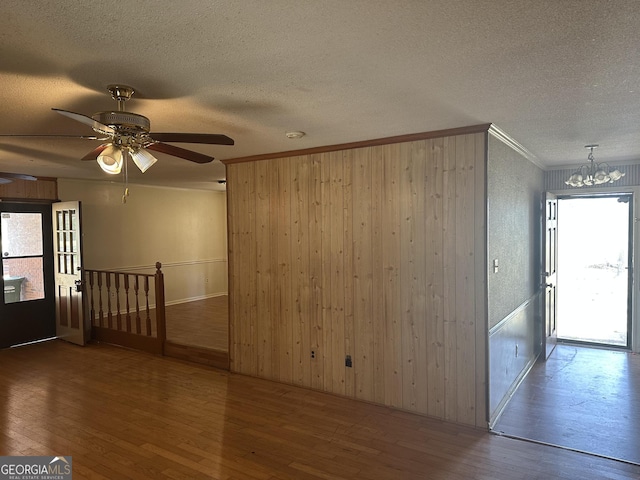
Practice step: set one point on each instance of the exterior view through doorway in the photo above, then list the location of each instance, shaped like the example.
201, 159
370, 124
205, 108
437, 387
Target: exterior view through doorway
594, 274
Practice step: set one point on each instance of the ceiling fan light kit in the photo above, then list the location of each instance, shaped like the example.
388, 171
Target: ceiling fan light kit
110, 159
143, 159
593, 173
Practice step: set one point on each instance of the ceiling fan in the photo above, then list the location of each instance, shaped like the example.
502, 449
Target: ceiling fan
128, 134
9, 177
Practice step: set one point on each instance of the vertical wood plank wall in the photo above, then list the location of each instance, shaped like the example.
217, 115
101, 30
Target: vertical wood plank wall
373, 252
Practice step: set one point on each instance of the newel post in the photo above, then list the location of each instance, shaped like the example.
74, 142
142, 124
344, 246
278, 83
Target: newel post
160, 313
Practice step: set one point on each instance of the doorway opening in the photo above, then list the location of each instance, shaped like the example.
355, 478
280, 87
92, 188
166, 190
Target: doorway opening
594, 275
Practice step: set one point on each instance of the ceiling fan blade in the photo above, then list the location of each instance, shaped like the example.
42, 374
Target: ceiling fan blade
210, 138
18, 176
180, 152
97, 126
83, 137
93, 154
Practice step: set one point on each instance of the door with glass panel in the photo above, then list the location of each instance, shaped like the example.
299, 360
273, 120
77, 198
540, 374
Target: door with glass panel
27, 309
67, 254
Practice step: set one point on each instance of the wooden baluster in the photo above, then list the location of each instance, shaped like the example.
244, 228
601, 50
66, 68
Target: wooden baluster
136, 288
160, 311
101, 314
146, 297
126, 289
92, 311
109, 313
118, 315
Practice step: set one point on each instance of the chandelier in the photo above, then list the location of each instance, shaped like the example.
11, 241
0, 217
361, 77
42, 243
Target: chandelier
593, 173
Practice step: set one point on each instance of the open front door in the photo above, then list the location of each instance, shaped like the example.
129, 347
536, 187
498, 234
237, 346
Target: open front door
549, 274
69, 274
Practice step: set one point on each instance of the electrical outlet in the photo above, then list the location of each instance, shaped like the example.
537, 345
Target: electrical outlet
348, 362
313, 354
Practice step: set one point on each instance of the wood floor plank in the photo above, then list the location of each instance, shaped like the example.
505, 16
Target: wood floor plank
123, 414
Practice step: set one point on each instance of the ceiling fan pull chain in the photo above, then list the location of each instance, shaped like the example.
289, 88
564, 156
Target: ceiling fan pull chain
125, 153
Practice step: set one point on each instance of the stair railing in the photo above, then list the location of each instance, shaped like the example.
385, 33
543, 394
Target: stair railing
127, 309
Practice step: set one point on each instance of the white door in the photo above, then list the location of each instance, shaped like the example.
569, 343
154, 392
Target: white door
68, 272
550, 274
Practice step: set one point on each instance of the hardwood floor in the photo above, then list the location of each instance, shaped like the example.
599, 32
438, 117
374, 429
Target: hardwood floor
581, 398
203, 323
123, 414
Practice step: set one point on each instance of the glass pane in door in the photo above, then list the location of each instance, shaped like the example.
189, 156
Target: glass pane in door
22, 261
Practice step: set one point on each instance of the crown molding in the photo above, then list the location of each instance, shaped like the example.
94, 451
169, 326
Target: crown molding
500, 134
366, 143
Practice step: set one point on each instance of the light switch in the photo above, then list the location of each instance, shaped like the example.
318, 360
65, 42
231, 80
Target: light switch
495, 265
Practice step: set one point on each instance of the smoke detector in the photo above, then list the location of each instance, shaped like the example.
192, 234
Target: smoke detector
295, 134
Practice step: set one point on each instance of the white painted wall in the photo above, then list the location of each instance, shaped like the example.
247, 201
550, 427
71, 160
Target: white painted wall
185, 230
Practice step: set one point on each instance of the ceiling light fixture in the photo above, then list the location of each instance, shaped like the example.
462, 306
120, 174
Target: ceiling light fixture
113, 157
143, 159
110, 159
593, 173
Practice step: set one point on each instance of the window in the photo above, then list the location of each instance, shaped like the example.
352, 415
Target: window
22, 256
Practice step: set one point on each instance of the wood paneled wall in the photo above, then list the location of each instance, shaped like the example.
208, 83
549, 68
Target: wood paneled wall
376, 253
41, 189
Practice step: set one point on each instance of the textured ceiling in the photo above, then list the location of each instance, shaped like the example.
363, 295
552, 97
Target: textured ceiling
554, 75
